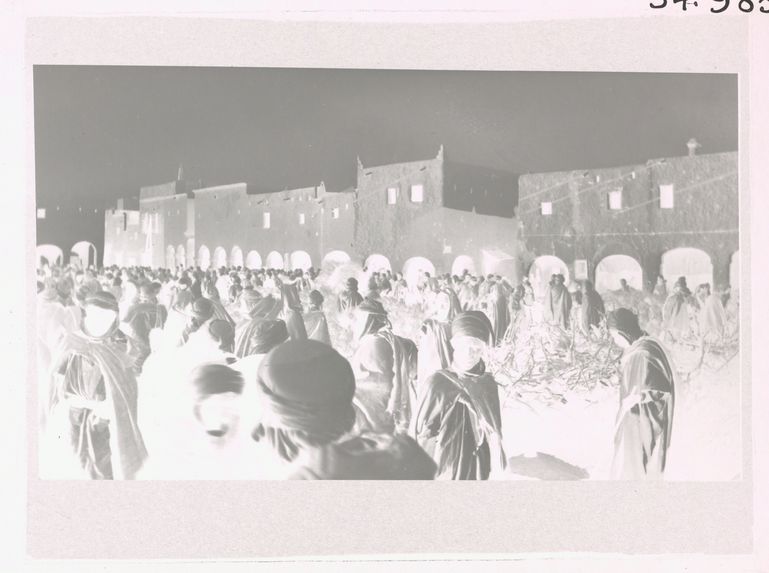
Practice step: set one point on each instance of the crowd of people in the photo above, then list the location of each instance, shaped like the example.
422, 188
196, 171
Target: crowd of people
234, 373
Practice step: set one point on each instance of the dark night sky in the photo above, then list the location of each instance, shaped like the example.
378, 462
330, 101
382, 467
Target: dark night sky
106, 131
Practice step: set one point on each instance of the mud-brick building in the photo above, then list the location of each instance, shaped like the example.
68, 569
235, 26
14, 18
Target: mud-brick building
669, 217
437, 215
433, 215
70, 229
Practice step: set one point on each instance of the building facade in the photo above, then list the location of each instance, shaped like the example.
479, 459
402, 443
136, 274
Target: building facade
70, 230
440, 216
683, 208
431, 215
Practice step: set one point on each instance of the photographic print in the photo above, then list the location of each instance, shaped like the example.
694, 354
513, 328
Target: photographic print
355, 274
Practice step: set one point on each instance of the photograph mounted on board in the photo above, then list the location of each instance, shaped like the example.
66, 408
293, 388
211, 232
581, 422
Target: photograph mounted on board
270, 274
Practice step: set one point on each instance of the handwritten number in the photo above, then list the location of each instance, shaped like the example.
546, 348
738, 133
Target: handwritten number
761, 8
746, 5
724, 2
664, 3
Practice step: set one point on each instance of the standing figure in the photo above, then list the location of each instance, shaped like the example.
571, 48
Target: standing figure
385, 367
350, 298
497, 311
675, 313
315, 320
712, 316
142, 317
646, 396
558, 303
592, 311
292, 307
458, 421
92, 429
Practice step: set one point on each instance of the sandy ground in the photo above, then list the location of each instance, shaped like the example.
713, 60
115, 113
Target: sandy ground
705, 445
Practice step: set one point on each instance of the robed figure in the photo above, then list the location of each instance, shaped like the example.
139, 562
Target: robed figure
592, 309
385, 365
91, 430
558, 303
458, 421
647, 397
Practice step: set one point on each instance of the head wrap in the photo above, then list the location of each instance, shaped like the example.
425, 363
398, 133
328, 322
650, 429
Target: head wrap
626, 323
266, 307
376, 318
267, 335
223, 332
102, 299
305, 389
210, 379
209, 290
316, 299
473, 323
147, 291
201, 310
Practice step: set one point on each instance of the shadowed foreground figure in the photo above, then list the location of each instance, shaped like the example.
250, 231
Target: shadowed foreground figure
305, 391
647, 392
458, 421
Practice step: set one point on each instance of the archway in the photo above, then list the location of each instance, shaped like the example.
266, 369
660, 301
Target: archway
300, 260
204, 257
610, 270
181, 256
377, 263
274, 260
170, 257
461, 264
336, 258
253, 260
83, 254
220, 258
693, 264
49, 254
414, 268
734, 271
236, 257
542, 269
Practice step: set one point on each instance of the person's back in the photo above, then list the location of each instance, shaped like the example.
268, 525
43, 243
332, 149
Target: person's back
366, 456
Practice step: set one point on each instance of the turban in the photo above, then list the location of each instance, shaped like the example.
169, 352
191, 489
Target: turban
209, 290
223, 332
267, 335
266, 307
201, 310
102, 299
473, 323
377, 316
210, 379
316, 298
626, 323
306, 386
147, 291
